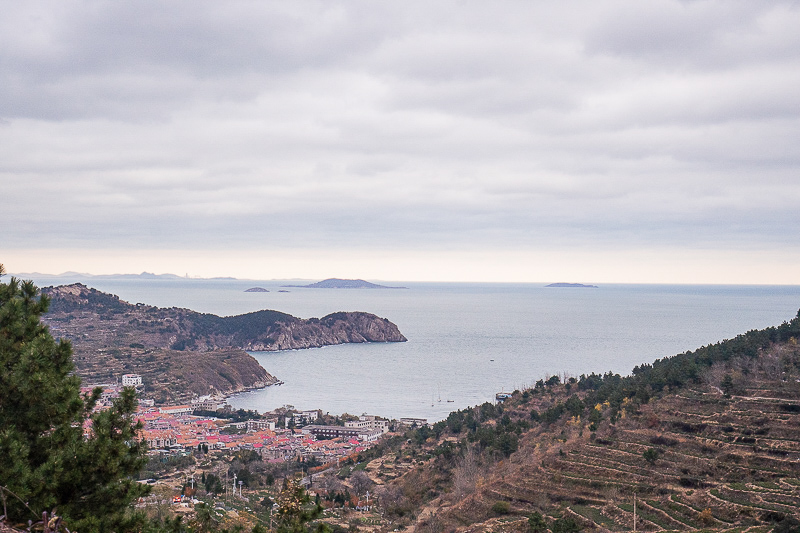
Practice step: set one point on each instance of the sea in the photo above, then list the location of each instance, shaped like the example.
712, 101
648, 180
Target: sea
467, 341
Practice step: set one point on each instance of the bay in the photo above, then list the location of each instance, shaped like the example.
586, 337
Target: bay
469, 341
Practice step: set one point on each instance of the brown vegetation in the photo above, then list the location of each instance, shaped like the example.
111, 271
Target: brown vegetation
695, 458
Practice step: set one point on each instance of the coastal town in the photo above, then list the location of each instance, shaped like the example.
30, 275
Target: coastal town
283, 435
197, 445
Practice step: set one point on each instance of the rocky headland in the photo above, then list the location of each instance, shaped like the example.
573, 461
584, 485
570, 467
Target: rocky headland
180, 352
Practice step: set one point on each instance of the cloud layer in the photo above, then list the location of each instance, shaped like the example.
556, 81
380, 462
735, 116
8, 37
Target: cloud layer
405, 126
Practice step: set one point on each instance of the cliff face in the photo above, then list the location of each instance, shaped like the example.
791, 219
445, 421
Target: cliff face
338, 328
111, 337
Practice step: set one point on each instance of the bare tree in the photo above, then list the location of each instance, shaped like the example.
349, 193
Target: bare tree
771, 365
329, 483
466, 474
360, 482
434, 524
713, 376
393, 500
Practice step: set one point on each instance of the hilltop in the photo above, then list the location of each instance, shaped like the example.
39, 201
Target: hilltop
183, 350
706, 440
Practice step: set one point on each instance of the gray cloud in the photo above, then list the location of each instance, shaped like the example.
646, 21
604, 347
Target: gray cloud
459, 124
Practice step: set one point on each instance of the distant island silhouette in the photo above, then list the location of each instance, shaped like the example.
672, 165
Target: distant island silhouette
336, 283
572, 285
257, 289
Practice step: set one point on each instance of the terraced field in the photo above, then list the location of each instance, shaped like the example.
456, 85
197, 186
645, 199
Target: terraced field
694, 460
721, 463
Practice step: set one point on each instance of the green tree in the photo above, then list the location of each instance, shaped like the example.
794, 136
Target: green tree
727, 385
46, 460
651, 455
537, 523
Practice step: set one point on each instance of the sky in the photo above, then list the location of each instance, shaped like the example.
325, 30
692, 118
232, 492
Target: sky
585, 141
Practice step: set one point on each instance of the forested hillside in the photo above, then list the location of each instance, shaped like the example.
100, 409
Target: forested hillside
708, 439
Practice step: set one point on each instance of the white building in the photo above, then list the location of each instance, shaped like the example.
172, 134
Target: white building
207, 404
369, 422
131, 380
311, 414
256, 425
333, 432
419, 422
176, 410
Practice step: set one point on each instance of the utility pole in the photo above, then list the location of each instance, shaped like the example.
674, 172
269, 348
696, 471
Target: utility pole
634, 512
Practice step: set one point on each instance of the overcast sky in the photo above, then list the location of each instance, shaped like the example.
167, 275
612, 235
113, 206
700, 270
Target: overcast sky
586, 141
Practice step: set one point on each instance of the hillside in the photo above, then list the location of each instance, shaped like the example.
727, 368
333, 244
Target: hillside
111, 337
706, 440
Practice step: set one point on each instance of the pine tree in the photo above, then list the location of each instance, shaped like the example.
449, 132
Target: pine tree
295, 508
46, 461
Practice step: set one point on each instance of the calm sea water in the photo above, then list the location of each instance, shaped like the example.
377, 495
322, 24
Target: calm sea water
469, 341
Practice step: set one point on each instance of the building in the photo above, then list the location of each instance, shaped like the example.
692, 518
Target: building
131, 380
418, 422
334, 432
369, 422
256, 425
207, 404
176, 410
306, 417
160, 439
310, 415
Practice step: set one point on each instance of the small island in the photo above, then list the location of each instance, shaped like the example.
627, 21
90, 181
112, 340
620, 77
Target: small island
572, 285
256, 289
336, 283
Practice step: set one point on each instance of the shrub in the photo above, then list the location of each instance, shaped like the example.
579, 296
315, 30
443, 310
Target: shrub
650, 455
566, 525
501, 507
536, 523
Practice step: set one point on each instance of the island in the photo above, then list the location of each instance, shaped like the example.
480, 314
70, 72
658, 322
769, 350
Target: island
336, 283
256, 289
572, 285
